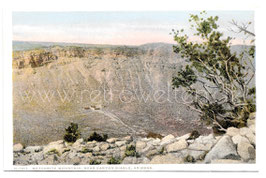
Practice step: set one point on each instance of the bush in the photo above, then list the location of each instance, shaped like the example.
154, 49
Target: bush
72, 133
189, 159
97, 137
131, 151
193, 135
114, 161
86, 150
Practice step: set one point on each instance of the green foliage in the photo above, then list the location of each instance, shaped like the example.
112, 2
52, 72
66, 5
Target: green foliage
189, 159
72, 133
193, 135
185, 78
95, 162
53, 151
86, 150
97, 137
131, 151
213, 68
114, 161
66, 150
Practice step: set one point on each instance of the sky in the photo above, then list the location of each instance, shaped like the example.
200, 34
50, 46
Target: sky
117, 28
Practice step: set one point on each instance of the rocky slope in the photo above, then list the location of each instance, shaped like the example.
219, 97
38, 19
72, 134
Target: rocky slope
236, 146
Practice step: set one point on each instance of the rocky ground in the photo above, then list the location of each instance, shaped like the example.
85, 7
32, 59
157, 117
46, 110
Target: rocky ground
236, 146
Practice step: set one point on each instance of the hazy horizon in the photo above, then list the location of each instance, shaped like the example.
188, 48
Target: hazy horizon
116, 28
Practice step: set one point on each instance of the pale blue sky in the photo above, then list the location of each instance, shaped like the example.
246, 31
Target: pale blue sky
129, 28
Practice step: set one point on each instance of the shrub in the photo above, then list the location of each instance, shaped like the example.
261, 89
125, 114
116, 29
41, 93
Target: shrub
86, 150
72, 133
114, 161
193, 135
131, 151
97, 137
189, 159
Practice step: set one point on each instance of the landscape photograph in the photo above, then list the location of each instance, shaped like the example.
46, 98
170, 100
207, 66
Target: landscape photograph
133, 87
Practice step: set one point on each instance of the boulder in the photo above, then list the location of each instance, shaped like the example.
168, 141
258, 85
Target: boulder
96, 149
130, 160
37, 156
251, 122
116, 153
199, 146
140, 145
208, 139
195, 154
253, 128
167, 139
155, 142
232, 131
49, 160
166, 159
143, 160
120, 143
17, 147
238, 138
91, 144
244, 131
33, 149
251, 137
59, 146
185, 137
123, 148
152, 153
246, 150
78, 142
223, 148
104, 146
127, 138
111, 140
176, 146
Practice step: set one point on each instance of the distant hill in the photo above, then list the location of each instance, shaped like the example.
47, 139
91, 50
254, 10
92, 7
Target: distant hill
30, 45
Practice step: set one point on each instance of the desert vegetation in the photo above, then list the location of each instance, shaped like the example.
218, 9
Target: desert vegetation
216, 79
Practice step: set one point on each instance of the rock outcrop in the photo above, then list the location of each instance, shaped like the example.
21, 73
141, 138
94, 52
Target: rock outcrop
227, 149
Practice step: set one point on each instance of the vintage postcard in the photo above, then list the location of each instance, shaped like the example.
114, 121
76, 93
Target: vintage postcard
133, 90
